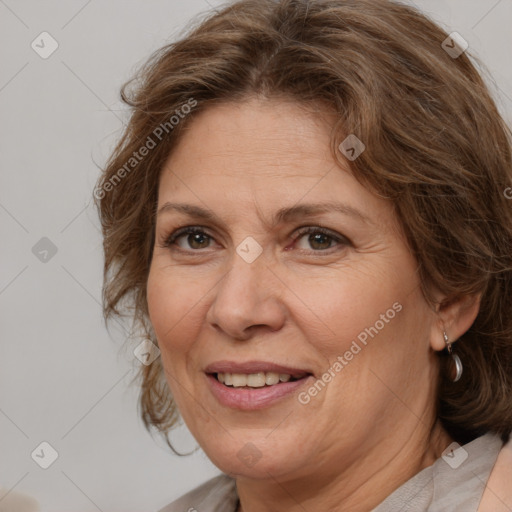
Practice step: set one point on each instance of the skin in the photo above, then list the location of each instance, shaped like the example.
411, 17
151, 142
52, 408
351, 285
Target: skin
300, 303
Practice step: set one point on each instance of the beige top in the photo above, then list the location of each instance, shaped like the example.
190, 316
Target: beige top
454, 483
12, 501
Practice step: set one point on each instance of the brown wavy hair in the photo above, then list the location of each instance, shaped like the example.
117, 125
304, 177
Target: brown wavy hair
436, 146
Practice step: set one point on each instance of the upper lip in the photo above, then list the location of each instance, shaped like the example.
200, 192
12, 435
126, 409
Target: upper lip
254, 367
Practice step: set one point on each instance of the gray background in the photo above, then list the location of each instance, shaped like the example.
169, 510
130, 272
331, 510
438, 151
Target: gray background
63, 378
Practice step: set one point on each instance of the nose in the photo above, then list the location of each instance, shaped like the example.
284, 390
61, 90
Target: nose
247, 301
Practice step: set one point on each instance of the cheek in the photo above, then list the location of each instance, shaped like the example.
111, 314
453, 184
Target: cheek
171, 315
170, 305
177, 305
341, 305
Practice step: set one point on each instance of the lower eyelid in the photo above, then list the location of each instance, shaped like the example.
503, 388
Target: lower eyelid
336, 245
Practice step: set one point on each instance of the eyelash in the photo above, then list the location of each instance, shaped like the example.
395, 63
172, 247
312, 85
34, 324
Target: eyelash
192, 230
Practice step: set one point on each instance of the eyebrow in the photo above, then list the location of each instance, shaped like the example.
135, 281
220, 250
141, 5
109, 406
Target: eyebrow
286, 214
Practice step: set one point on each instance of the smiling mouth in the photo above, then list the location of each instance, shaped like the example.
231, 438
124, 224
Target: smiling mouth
256, 380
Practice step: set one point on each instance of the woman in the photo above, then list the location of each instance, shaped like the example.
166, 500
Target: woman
307, 214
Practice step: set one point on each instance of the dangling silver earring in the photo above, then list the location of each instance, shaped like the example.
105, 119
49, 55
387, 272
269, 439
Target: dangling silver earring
456, 359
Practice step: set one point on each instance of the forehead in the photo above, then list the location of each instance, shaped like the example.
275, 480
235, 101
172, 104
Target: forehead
261, 154
255, 138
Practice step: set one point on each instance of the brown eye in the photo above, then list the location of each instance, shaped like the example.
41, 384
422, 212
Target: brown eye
319, 239
194, 239
197, 240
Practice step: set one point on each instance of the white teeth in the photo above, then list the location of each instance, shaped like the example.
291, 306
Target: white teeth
271, 378
239, 380
253, 380
256, 380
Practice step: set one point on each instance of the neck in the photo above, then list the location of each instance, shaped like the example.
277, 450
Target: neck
358, 487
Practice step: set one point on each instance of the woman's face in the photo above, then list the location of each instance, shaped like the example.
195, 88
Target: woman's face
298, 270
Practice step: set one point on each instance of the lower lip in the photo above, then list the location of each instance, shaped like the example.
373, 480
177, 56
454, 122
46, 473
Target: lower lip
253, 398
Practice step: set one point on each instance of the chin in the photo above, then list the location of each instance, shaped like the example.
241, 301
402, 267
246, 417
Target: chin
255, 459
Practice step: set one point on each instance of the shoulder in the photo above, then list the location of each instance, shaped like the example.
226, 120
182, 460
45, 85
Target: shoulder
497, 496
215, 495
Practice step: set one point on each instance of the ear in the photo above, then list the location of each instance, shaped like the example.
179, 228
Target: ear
455, 318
